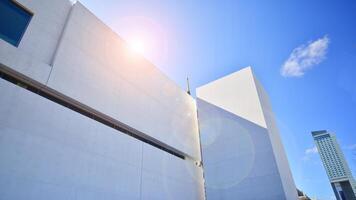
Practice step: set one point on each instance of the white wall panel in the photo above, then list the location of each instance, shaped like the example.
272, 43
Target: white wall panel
47, 149
34, 54
241, 95
23, 62
168, 177
281, 157
237, 155
235, 93
95, 67
50, 152
42, 35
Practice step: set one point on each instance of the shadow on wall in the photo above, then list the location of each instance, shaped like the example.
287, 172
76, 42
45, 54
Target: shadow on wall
237, 155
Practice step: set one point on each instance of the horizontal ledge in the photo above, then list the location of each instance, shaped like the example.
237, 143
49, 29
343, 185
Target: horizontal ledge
29, 84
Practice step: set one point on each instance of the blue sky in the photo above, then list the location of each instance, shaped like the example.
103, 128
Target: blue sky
209, 39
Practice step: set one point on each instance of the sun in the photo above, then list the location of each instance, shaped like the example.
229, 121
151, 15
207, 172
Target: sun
137, 46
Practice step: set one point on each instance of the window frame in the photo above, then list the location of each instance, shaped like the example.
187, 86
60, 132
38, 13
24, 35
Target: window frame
31, 14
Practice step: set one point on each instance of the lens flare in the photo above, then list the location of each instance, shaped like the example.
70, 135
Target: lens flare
137, 46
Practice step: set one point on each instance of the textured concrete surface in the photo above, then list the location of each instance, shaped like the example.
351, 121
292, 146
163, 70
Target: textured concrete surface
50, 152
236, 117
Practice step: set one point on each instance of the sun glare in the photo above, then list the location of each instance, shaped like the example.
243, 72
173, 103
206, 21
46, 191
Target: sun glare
144, 38
137, 46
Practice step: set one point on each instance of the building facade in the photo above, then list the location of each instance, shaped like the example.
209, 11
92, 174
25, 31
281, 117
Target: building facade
336, 167
242, 151
81, 117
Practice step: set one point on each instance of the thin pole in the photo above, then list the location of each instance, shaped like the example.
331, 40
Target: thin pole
188, 87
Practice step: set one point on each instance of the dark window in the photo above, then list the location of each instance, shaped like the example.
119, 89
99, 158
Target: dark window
13, 21
342, 195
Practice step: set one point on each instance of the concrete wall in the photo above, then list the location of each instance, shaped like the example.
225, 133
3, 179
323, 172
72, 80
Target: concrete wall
73, 52
50, 152
241, 96
93, 65
34, 54
278, 149
237, 94
238, 157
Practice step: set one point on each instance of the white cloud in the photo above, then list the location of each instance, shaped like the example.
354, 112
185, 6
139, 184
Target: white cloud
305, 57
351, 147
309, 152
312, 150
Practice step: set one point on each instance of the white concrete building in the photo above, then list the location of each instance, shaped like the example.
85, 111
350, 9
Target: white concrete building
242, 151
86, 120
82, 118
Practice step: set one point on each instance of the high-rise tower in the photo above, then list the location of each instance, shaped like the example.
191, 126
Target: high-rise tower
335, 165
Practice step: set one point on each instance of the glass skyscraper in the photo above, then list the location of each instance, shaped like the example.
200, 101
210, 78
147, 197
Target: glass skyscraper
336, 167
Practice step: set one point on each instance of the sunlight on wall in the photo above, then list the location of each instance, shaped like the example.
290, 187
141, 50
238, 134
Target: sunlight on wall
137, 46
144, 36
